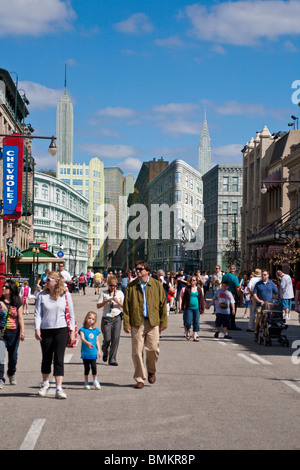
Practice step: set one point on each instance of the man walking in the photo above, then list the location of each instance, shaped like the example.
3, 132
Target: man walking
286, 292
234, 288
263, 291
145, 316
256, 277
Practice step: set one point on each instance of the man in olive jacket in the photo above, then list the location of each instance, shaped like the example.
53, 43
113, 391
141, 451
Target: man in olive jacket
145, 316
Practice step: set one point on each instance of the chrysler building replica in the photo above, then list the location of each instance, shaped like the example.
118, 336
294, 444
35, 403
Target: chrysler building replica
204, 152
64, 128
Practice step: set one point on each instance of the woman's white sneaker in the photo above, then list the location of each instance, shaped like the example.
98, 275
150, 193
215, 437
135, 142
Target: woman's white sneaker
60, 394
44, 389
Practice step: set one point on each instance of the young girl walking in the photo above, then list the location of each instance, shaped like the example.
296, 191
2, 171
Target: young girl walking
25, 295
90, 349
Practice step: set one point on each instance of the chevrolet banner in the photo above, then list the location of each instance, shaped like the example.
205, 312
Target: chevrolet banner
12, 177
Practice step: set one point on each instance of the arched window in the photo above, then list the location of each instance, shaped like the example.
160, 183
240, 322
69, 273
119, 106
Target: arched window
57, 196
45, 191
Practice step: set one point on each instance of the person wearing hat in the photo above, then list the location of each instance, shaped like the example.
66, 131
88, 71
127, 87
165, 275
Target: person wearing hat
255, 277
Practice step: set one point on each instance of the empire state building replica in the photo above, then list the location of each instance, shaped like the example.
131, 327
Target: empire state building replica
64, 128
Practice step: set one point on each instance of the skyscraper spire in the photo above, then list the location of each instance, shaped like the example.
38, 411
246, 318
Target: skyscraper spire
204, 152
64, 127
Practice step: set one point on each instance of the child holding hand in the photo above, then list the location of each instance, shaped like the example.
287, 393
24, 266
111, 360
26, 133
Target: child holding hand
90, 349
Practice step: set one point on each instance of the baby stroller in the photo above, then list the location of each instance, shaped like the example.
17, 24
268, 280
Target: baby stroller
272, 324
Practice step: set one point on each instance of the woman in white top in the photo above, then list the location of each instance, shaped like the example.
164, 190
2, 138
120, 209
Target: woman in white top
112, 302
52, 331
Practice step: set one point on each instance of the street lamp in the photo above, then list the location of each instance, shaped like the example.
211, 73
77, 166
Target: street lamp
295, 119
52, 147
264, 188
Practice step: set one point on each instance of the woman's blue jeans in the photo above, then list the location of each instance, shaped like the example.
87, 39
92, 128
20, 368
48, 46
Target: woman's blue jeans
10, 341
191, 317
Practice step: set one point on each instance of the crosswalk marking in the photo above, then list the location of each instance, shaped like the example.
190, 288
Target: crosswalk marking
33, 434
263, 361
247, 358
291, 385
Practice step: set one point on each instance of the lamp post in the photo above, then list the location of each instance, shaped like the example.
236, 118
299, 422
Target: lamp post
295, 119
74, 222
52, 147
264, 188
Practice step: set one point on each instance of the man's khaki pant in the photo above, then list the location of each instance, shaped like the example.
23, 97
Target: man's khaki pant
146, 338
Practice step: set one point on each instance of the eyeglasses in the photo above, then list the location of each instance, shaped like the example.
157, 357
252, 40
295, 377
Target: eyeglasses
7, 287
217, 268
195, 280
49, 279
112, 285
139, 269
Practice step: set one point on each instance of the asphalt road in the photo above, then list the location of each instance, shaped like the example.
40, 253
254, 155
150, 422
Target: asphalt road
213, 395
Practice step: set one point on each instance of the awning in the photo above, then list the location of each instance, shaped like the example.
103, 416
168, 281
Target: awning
29, 260
269, 181
14, 252
45, 256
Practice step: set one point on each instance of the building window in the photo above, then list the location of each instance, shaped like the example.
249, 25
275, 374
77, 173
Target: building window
235, 208
235, 183
177, 195
45, 191
225, 230
225, 183
234, 230
225, 208
58, 196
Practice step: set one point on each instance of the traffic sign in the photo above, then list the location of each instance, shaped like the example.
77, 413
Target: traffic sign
60, 254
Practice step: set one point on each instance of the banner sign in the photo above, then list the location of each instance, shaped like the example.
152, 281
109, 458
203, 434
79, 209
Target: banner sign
12, 177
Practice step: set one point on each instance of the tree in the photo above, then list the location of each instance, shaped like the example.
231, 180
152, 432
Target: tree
233, 254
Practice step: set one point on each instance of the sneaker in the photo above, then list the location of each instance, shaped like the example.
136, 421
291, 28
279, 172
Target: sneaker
12, 379
2, 383
43, 389
97, 384
60, 394
227, 337
87, 386
216, 335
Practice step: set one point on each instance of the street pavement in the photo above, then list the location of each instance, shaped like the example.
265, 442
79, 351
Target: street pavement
215, 394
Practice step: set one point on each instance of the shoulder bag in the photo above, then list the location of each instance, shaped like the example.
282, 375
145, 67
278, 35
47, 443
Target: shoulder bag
69, 344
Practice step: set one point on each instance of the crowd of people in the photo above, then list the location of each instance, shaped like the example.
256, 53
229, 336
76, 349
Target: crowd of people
142, 299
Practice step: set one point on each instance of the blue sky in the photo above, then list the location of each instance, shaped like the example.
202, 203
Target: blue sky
142, 73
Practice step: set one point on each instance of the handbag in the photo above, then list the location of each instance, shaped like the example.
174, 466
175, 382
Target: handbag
2, 330
69, 344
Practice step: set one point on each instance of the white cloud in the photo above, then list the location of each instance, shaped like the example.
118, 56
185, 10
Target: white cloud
108, 151
180, 127
116, 112
255, 110
34, 17
138, 23
176, 108
40, 96
244, 22
172, 42
228, 154
132, 165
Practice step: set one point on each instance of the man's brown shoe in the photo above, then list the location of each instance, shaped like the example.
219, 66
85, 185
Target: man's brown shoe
151, 378
139, 385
